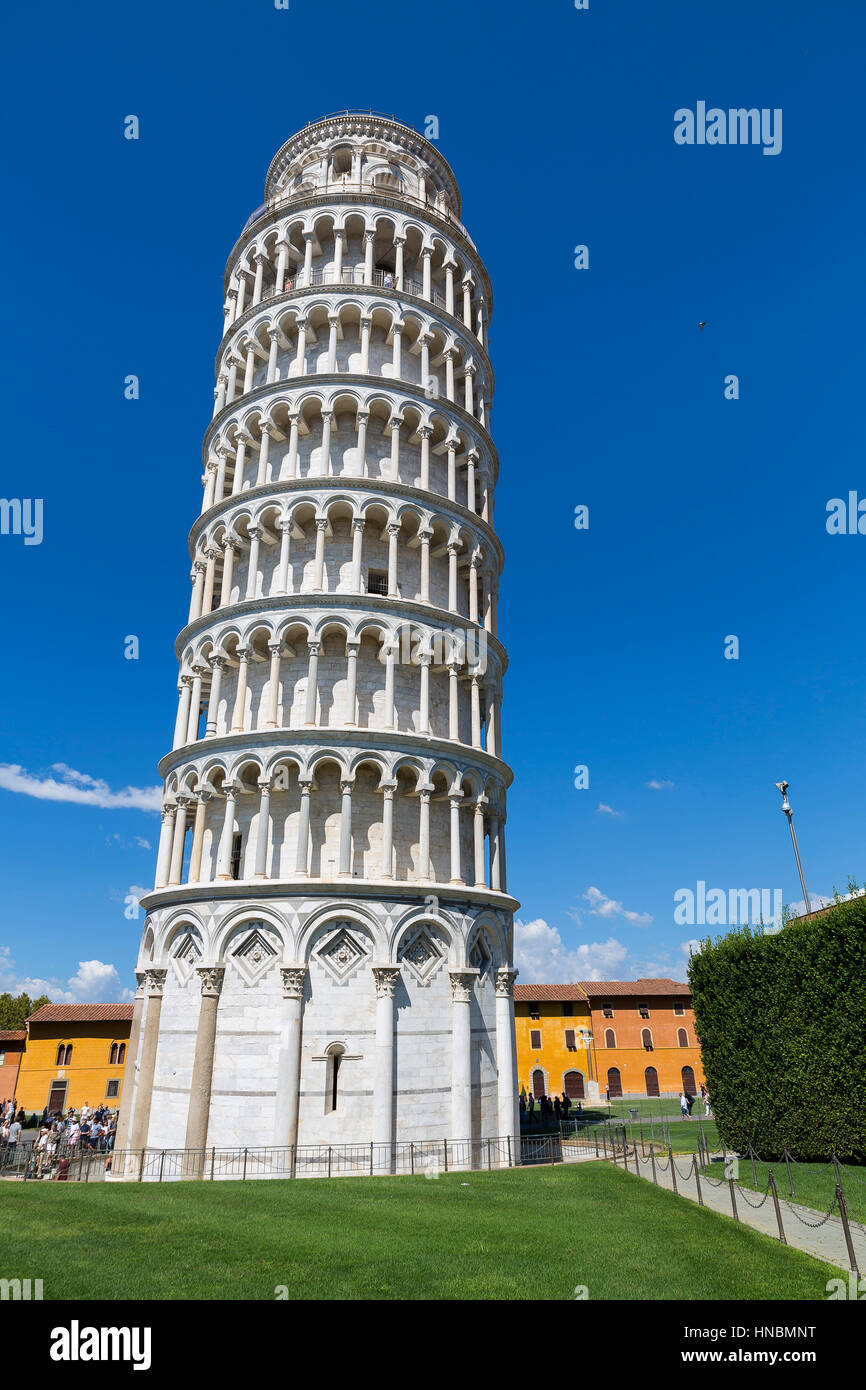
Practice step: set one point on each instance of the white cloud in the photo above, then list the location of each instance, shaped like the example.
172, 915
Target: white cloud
658, 786
93, 982
691, 948
137, 841
542, 957
603, 809
77, 787
602, 906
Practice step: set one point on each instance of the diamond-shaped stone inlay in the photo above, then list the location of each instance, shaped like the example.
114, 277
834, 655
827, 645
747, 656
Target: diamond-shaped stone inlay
185, 958
422, 955
342, 953
254, 955
479, 956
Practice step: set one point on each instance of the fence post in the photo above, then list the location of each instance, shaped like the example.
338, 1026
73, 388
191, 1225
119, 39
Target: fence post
329, 1160
161, 1163
754, 1169
625, 1150
371, 1158
445, 1142
508, 1137
731, 1185
244, 1178
489, 1164
141, 1165
212, 1161
790, 1179
843, 1212
604, 1141
412, 1158
782, 1236
653, 1161
673, 1168
697, 1174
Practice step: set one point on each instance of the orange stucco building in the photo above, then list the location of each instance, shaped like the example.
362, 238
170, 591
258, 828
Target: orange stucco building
11, 1051
635, 1037
75, 1053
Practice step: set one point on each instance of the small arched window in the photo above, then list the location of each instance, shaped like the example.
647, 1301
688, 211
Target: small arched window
121, 1053
334, 1055
64, 1054
646, 1038
609, 1037
682, 1037
112, 1058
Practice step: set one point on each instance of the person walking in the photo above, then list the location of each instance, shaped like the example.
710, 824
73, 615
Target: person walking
684, 1105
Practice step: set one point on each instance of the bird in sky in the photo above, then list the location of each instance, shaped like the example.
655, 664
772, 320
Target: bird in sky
702, 326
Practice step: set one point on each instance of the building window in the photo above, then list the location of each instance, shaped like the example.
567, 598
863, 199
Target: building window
609, 1037
689, 1081
651, 1077
614, 1081
534, 1011
112, 1090
537, 1083
535, 1039
237, 841
643, 1010
607, 1010
572, 1084
117, 1055
377, 582
568, 1011
64, 1054
646, 1038
2, 1059
569, 1040
679, 1010
682, 1037
332, 1085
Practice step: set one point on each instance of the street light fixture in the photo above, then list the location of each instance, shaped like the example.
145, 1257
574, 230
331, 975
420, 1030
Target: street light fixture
786, 808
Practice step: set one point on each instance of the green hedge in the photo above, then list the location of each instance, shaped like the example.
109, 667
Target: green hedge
782, 1025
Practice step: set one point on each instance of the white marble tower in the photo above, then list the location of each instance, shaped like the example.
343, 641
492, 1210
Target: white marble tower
327, 951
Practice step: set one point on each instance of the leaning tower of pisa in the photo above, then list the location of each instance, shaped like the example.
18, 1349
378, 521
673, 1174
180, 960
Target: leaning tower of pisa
327, 951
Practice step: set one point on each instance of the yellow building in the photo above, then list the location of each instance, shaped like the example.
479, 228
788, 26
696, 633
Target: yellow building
75, 1054
553, 1025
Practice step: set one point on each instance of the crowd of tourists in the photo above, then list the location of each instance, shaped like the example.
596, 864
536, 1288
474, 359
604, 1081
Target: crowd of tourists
546, 1111
58, 1137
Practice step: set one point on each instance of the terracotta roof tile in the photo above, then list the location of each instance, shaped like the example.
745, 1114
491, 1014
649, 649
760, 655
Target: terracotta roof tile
545, 993
603, 989
12, 1034
82, 1013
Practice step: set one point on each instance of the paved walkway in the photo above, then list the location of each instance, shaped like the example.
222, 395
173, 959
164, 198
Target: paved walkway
804, 1228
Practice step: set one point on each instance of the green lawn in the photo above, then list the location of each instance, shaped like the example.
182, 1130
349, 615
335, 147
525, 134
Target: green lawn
519, 1234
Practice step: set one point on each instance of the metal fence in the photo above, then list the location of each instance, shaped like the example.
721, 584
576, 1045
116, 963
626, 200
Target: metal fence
426, 1157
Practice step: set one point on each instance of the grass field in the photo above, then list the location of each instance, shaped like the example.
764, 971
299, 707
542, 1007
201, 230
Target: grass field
518, 1234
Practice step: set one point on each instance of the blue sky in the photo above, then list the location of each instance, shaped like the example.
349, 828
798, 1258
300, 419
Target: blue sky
707, 515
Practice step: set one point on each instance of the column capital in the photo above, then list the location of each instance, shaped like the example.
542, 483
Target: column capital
264, 784
294, 979
218, 661
187, 680
211, 977
155, 979
204, 794
255, 533
461, 985
347, 785
504, 980
387, 978
140, 979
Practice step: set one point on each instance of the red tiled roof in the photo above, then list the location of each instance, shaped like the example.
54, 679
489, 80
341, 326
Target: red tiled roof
603, 989
540, 994
82, 1013
12, 1034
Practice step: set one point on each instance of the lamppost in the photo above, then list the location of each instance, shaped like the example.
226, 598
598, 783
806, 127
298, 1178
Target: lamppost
786, 807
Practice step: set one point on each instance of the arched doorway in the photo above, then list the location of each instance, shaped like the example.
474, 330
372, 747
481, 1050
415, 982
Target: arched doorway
652, 1081
538, 1087
614, 1081
573, 1084
689, 1082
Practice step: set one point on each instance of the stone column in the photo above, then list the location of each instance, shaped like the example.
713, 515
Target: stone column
351, 683
209, 576
461, 1056
390, 712
453, 705
198, 673
154, 981
388, 789
393, 533
182, 721
425, 433
426, 253
495, 877
224, 856
285, 542
357, 547
425, 661
274, 686
263, 827
395, 424
424, 833
312, 686
308, 258
130, 1073
303, 830
452, 577
213, 705
425, 535
344, 868
455, 799
240, 709
319, 571
199, 569
229, 553
211, 977
301, 358
282, 263
289, 1059
475, 696
166, 836
369, 238
509, 1122
203, 796
293, 445
175, 872
361, 467
452, 471
255, 535
387, 978
366, 324
334, 324
478, 838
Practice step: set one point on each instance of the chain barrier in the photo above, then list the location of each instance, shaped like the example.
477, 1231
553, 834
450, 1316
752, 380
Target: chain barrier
813, 1225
